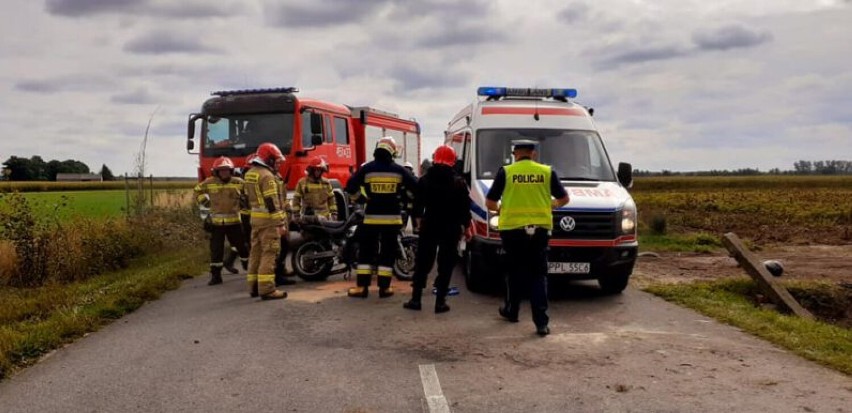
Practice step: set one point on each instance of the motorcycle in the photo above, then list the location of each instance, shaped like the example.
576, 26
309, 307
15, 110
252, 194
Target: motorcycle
331, 248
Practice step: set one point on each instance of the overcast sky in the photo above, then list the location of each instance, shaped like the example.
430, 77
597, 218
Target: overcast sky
676, 84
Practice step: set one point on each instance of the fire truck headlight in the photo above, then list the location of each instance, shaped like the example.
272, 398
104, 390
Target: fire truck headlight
494, 223
628, 218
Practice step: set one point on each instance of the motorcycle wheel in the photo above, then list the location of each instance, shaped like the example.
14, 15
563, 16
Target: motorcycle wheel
310, 269
403, 268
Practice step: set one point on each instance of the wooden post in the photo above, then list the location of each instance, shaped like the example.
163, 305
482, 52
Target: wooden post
774, 290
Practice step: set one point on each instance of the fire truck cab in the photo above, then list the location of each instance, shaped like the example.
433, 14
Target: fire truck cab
235, 123
594, 235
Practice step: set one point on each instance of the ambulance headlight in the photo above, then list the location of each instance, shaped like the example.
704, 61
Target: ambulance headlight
494, 223
628, 218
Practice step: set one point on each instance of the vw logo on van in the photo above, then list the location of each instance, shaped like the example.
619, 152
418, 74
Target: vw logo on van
567, 224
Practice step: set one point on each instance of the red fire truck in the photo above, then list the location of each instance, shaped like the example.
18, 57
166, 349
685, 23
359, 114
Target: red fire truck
234, 123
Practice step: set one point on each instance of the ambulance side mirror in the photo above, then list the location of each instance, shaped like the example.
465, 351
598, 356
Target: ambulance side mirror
625, 174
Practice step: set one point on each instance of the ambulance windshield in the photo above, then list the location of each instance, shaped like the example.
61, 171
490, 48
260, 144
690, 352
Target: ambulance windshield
574, 154
240, 135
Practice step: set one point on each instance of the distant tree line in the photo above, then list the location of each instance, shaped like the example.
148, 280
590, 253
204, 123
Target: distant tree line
36, 169
799, 168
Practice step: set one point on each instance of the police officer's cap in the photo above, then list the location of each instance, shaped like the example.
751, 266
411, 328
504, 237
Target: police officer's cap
524, 144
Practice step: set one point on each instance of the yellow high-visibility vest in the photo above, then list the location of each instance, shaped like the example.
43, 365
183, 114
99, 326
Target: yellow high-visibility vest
526, 197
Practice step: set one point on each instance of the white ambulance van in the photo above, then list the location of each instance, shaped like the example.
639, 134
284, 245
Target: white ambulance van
594, 235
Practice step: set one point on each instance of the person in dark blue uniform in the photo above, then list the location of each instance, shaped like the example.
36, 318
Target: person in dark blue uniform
527, 190
442, 214
380, 182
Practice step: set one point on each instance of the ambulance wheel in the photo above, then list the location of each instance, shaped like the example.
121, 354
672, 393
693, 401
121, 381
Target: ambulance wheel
614, 283
311, 269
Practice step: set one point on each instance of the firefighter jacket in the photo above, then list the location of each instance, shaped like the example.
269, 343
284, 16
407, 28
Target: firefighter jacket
314, 195
265, 194
381, 182
225, 199
442, 199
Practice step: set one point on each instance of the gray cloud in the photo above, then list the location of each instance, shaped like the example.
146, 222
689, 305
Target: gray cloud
76, 8
306, 13
163, 43
732, 36
182, 10
140, 96
445, 12
460, 36
640, 54
68, 83
575, 12
412, 78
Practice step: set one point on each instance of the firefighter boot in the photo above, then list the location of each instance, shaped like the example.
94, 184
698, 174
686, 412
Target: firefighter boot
363, 286
385, 290
275, 295
441, 302
215, 276
230, 259
414, 302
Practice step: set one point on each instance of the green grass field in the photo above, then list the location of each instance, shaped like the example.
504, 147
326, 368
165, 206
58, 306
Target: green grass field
91, 204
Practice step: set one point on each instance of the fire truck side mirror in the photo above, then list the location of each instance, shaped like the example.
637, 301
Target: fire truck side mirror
190, 131
625, 174
316, 124
316, 139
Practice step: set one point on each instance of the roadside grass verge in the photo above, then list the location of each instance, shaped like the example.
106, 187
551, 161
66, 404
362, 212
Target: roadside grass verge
691, 242
35, 321
729, 301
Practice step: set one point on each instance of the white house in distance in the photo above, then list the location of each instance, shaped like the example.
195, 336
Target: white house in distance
79, 177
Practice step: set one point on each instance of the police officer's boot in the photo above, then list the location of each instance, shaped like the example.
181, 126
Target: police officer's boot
230, 259
441, 302
215, 276
414, 302
363, 286
385, 290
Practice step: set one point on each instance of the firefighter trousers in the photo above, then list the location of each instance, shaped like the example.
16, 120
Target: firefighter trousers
377, 250
265, 244
442, 242
526, 257
218, 234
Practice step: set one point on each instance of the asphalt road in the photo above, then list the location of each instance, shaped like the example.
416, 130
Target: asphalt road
215, 349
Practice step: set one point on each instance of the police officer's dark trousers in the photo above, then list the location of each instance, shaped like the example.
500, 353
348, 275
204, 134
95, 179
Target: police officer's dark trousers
442, 242
218, 233
526, 257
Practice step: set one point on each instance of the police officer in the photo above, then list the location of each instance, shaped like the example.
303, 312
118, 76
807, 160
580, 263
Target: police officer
380, 181
526, 218
314, 193
268, 221
442, 213
223, 194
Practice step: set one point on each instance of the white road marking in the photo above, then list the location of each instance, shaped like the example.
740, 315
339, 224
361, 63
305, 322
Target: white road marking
432, 389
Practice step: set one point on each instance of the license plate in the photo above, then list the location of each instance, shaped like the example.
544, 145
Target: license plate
568, 268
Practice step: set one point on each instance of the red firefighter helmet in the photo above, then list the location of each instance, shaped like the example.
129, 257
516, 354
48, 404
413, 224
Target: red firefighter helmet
444, 155
317, 162
222, 163
389, 144
268, 153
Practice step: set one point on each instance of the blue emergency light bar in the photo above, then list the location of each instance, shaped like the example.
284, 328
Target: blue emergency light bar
498, 92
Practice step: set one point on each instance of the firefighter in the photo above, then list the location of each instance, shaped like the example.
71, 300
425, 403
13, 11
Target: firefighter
380, 182
245, 221
223, 194
268, 221
527, 190
407, 202
314, 194
442, 214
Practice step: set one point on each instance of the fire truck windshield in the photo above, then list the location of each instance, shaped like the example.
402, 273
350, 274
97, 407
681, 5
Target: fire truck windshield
240, 135
573, 154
